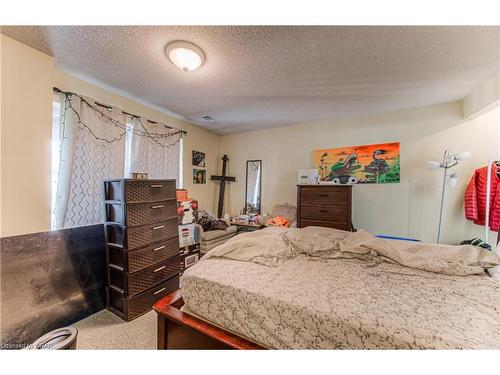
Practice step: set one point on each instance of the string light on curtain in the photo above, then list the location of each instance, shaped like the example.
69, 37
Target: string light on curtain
160, 138
97, 142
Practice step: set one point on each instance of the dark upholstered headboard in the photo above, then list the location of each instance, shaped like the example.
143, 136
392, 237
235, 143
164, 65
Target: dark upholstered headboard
50, 280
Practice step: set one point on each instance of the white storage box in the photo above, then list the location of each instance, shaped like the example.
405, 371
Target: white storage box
307, 177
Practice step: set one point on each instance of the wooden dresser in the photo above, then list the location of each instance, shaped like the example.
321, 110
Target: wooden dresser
142, 244
324, 206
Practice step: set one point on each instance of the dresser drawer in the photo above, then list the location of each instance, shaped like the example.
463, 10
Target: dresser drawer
149, 191
138, 191
328, 224
147, 234
137, 282
141, 236
132, 307
327, 196
135, 260
144, 213
134, 214
327, 213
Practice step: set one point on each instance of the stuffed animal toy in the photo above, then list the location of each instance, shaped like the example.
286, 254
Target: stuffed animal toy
187, 211
279, 221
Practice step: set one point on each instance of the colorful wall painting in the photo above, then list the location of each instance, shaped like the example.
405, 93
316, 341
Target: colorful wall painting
368, 164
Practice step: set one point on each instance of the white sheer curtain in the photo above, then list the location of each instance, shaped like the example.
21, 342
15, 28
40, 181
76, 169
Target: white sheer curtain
158, 159
92, 148
85, 161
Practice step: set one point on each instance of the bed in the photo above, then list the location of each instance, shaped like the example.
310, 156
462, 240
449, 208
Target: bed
329, 300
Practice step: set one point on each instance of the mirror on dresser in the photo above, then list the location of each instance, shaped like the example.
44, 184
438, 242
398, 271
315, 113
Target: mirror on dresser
253, 187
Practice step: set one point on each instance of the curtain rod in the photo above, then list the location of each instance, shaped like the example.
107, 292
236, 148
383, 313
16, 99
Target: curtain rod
156, 123
59, 91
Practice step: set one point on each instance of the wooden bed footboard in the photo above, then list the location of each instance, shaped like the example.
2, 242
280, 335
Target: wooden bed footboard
179, 330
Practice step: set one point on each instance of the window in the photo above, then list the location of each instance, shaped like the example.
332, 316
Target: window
130, 146
180, 184
55, 157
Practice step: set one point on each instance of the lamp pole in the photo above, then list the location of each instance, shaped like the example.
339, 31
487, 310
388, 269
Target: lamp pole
449, 161
445, 167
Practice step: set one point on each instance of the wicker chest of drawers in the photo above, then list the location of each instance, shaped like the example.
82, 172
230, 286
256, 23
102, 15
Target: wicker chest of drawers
142, 244
324, 206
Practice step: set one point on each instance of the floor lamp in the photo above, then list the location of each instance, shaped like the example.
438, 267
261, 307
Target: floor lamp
449, 161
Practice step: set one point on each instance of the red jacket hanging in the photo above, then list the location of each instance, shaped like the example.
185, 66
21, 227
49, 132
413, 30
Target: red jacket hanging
475, 198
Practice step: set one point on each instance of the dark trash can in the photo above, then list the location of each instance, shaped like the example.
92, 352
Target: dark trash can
58, 339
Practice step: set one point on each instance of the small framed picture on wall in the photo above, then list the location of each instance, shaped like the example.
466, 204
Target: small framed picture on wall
198, 159
199, 176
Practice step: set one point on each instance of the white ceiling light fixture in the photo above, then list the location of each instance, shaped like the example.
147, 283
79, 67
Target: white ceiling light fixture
185, 55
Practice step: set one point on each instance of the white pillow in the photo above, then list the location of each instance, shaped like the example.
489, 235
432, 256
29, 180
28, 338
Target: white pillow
494, 272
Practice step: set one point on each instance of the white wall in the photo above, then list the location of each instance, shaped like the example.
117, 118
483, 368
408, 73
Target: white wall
28, 77
482, 98
26, 103
410, 208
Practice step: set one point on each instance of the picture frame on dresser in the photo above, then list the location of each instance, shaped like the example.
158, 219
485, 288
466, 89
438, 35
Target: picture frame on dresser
141, 242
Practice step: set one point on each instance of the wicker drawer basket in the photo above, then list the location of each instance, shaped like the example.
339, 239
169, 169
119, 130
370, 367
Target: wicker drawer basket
130, 308
136, 237
137, 282
142, 243
134, 214
130, 191
136, 260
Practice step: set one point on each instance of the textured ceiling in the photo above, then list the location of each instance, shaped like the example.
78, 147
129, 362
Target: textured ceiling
258, 77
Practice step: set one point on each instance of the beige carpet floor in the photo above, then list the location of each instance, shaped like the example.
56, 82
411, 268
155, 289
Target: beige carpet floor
104, 330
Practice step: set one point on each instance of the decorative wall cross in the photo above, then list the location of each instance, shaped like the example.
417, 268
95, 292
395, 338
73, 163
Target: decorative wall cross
222, 179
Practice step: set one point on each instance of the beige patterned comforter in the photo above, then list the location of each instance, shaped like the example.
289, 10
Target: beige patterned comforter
315, 303
272, 246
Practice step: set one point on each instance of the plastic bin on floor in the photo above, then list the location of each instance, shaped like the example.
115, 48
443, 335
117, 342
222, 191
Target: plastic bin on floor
59, 339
